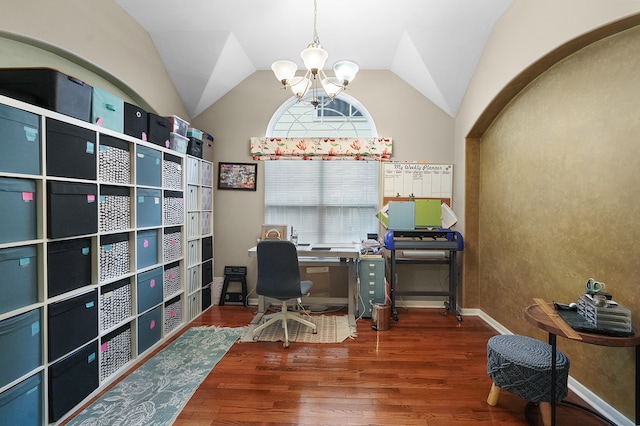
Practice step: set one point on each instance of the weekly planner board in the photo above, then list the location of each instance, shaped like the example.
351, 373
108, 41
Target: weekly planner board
402, 181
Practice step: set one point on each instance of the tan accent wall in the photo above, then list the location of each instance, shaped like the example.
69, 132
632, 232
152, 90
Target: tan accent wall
558, 201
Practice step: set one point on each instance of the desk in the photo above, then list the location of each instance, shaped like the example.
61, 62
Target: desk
536, 316
349, 252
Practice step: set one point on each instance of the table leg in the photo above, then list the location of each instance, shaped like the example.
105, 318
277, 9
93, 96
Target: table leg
637, 385
351, 314
552, 342
261, 311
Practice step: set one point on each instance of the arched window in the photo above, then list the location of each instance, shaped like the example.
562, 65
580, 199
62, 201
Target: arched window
343, 117
324, 201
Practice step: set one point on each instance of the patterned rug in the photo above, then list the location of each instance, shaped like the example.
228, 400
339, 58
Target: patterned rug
331, 329
155, 393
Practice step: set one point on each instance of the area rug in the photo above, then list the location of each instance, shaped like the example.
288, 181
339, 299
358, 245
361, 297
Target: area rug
155, 393
331, 329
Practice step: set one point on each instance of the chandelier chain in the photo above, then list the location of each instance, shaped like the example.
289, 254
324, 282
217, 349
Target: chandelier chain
316, 39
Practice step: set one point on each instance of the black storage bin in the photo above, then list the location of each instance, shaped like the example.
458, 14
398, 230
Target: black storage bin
206, 297
159, 130
71, 151
149, 329
135, 121
148, 166
48, 88
19, 141
72, 323
72, 379
150, 289
114, 160
147, 248
207, 273
68, 265
19, 282
207, 248
149, 207
17, 210
22, 404
195, 147
21, 346
73, 209
207, 147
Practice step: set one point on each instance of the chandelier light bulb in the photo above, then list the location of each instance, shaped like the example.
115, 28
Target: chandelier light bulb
284, 70
314, 57
345, 71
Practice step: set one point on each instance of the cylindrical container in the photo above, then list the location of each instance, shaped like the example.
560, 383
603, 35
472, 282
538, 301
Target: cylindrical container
380, 315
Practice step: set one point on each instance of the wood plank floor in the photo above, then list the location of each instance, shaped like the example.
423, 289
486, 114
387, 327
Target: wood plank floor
428, 369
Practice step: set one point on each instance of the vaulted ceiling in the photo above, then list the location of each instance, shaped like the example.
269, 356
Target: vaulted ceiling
210, 46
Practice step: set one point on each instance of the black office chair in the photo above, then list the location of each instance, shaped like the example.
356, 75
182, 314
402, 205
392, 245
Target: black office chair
279, 278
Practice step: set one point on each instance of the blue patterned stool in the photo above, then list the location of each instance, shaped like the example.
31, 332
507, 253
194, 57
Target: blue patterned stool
522, 366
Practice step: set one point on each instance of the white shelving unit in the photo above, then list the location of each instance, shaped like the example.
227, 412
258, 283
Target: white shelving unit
199, 234
134, 263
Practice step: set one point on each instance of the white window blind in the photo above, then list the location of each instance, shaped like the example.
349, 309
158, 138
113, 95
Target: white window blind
324, 201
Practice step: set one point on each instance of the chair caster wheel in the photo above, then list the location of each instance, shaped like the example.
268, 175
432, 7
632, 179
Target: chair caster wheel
285, 345
315, 331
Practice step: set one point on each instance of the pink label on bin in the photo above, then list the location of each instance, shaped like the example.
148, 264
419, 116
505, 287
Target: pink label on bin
91, 198
99, 121
27, 196
145, 243
170, 275
173, 313
152, 283
104, 346
152, 324
173, 242
167, 144
144, 136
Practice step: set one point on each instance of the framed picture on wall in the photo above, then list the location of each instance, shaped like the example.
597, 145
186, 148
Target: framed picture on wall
240, 176
273, 232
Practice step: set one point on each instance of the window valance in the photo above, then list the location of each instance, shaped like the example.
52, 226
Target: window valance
378, 149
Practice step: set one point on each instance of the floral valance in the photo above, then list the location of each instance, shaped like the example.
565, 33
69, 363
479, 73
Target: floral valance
378, 149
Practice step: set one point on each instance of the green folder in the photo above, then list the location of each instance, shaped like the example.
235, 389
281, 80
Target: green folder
428, 214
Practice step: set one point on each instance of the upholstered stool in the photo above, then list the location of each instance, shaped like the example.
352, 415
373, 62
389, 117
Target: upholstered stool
522, 366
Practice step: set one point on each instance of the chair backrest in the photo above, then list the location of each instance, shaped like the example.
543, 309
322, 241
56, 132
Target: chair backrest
278, 270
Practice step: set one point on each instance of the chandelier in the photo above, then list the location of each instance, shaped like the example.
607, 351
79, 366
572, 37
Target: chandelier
314, 58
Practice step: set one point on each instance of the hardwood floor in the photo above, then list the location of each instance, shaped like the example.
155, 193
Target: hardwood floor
428, 369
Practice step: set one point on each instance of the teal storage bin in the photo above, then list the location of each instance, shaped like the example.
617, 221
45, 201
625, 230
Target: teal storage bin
107, 110
148, 166
149, 207
149, 329
18, 200
19, 272
147, 248
22, 403
150, 289
21, 343
19, 141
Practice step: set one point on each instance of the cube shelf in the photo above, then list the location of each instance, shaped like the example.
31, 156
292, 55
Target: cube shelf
94, 225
